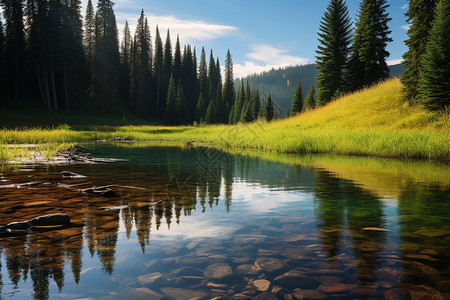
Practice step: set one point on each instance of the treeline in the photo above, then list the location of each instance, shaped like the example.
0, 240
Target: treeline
349, 60
50, 52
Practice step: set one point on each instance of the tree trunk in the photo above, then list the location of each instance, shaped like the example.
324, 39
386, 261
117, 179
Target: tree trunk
65, 88
52, 81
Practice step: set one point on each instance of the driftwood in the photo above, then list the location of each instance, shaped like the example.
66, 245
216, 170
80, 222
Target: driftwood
77, 153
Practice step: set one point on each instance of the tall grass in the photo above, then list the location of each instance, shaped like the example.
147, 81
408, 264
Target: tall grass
371, 122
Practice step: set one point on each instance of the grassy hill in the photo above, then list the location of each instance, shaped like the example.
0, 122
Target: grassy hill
372, 122
281, 83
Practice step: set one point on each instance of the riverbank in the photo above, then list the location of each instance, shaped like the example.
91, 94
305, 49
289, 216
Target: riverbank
372, 122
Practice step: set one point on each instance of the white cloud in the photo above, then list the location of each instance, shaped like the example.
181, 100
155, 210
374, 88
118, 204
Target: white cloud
190, 31
394, 61
265, 57
405, 6
405, 27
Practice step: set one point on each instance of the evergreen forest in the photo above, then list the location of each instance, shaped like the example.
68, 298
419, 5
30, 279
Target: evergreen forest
57, 55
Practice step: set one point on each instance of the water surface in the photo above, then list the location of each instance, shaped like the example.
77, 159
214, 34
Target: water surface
198, 223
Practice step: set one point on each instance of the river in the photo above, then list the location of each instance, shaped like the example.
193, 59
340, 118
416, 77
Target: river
200, 223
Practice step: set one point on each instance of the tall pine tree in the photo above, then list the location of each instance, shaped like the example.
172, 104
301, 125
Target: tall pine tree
158, 62
334, 40
125, 58
434, 80
368, 53
419, 15
167, 69
15, 45
89, 33
3, 75
106, 62
297, 102
229, 92
310, 100
141, 73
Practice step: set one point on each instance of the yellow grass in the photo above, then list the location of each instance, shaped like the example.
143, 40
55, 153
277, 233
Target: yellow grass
372, 122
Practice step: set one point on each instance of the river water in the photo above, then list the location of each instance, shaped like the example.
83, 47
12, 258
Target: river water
199, 223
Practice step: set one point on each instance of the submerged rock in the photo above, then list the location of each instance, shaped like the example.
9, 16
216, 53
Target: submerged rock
415, 271
301, 294
217, 271
261, 285
269, 264
266, 296
419, 292
248, 269
296, 279
182, 294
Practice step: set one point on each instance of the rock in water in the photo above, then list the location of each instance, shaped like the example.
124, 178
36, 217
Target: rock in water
261, 285
19, 225
266, 296
217, 271
181, 294
101, 191
296, 279
52, 219
269, 264
424, 292
71, 175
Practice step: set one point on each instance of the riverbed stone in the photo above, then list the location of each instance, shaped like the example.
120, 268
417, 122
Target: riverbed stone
248, 269
415, 271
218, 271
182, 294
423, 292
301, 294
432, 232
396, 294
261, 285
149, 278
266, 296
269, 264
296, 279
19, 225
333, 288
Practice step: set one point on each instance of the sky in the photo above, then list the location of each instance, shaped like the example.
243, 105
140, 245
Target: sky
261, 34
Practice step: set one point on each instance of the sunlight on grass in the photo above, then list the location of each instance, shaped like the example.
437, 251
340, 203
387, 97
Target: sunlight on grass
374, 122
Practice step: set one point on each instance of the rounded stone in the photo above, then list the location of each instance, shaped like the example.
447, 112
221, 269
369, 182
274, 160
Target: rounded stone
217, 271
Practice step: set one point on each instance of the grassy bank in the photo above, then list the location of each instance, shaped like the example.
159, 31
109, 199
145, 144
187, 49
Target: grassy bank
372, 122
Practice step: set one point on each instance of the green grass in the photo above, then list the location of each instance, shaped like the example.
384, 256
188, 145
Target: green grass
372, 122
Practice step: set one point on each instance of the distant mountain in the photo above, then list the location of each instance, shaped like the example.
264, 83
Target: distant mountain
281, 83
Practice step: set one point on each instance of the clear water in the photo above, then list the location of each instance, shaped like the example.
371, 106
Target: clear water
196, 223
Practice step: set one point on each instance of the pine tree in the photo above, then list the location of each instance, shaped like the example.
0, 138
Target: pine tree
176, 71
89, 33
334, 40
171, 108
434, 80
200, 111
297, 102
286, 114
189, 80
3, 76
181, 106
229, 93
106, 63
141, 73
420, 14
125, 60
310, 101
158, 62
167, 70
239, 104
269, 109
203, 74
255, 104
15, 45
368, 58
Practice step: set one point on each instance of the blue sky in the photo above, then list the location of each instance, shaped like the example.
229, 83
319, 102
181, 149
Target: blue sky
260, 34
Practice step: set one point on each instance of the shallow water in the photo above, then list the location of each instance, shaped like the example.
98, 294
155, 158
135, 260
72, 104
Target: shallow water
198, 223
